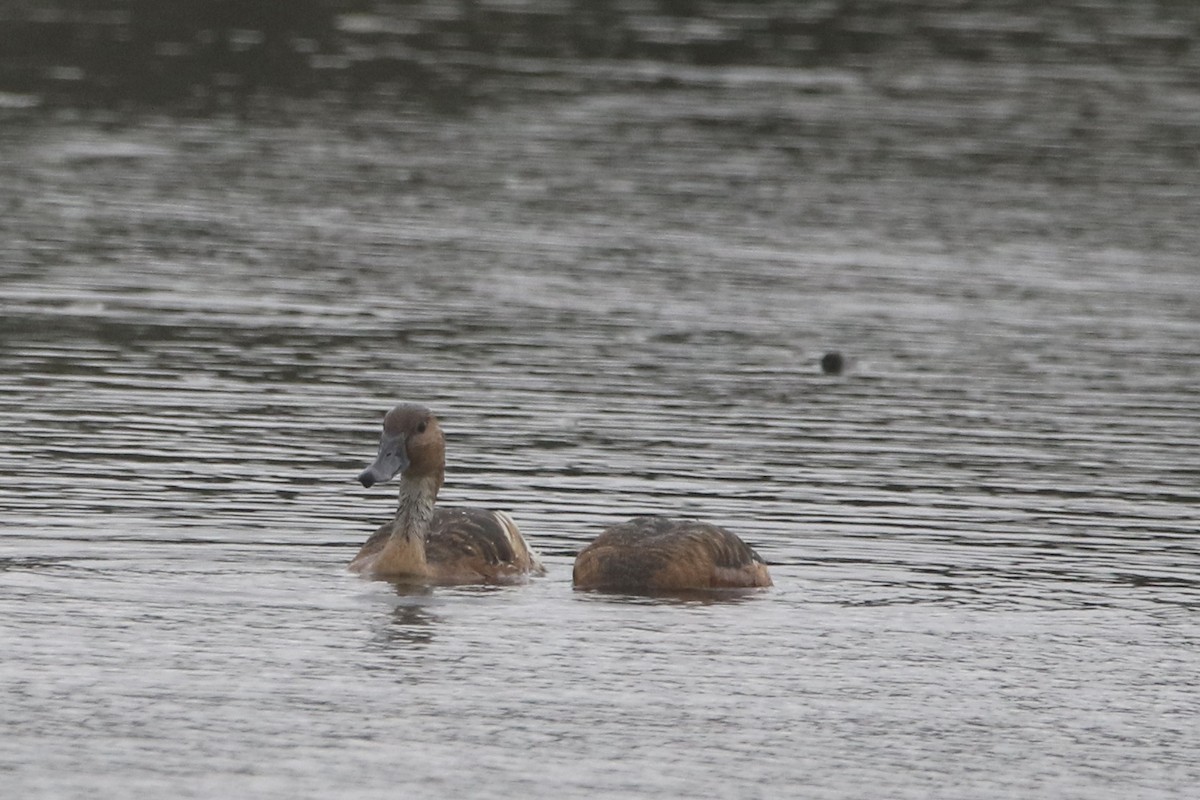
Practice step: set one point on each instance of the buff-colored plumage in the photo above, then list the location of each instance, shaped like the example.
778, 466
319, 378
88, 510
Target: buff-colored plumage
661, 554
427, 542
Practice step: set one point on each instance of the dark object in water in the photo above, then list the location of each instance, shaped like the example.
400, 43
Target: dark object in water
832, 363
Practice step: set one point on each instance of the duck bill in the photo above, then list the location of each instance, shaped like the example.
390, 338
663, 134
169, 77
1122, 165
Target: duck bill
392, 459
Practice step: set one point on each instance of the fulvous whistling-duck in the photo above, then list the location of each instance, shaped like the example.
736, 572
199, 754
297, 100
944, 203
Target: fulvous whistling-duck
428, 542
661, 554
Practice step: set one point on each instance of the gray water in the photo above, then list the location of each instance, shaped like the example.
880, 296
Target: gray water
615, 289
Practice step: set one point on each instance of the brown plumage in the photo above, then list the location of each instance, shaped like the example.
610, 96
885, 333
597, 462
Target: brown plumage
649, 554
425, 541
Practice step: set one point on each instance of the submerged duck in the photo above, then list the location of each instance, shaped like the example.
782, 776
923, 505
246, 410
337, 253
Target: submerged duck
661, 554
428, 542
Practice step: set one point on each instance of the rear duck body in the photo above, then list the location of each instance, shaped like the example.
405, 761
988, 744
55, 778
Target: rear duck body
662, 554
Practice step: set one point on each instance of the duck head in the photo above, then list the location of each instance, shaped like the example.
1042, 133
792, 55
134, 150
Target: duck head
412, 445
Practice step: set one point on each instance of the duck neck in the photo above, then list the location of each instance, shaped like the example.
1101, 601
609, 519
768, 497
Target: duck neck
405, 549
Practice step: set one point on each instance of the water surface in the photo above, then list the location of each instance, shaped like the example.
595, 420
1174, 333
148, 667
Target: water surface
982, 533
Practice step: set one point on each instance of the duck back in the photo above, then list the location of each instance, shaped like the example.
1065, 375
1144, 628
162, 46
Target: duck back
473, 543
664, 554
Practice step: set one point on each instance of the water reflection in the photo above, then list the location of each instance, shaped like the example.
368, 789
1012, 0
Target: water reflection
29, 563
411, 624
208, 55
685, 597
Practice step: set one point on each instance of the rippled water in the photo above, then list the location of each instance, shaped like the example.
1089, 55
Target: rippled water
983, 534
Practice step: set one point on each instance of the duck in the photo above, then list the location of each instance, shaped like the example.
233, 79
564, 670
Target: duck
665, 554
430, 543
